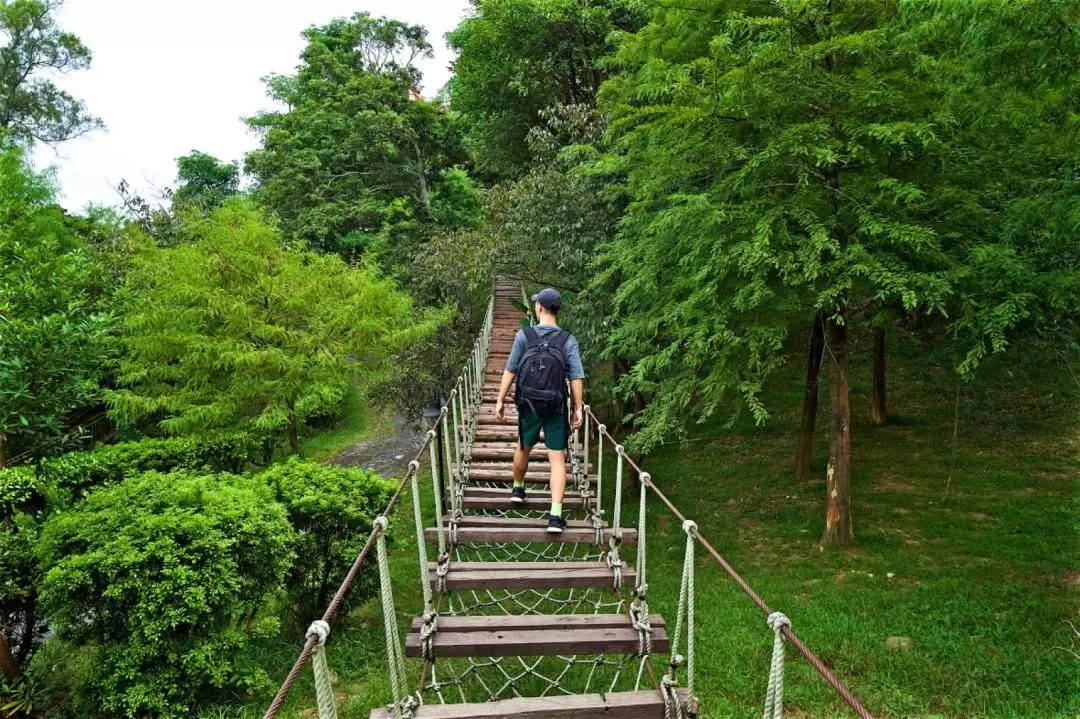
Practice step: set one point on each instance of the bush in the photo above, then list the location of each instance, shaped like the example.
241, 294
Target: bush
163, 576
332, 510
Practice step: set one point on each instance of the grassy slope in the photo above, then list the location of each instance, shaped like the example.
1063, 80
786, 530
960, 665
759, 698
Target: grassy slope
984, 577
356, 424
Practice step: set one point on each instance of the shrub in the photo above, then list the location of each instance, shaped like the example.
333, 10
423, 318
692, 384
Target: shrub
163, 576
332, 510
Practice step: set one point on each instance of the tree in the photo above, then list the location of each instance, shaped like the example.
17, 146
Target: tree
235, 330
353, 153
517, 57
164, 576
204, 182
755, 204
55, 322
31, 106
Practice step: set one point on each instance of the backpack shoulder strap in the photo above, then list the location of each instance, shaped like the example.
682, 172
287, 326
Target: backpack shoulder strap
532, 337
560, 339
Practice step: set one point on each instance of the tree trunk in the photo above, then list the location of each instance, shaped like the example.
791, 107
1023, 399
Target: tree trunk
838, 528
878, 416
290, 430
421, 175
805, 449
8, 665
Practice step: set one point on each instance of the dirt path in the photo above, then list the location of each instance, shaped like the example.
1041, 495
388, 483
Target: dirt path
387, 453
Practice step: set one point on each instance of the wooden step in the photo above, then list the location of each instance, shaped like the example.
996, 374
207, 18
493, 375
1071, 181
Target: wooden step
485, 498
528, 575
505, 474
538, 533
536, 635
505, 453
616, 705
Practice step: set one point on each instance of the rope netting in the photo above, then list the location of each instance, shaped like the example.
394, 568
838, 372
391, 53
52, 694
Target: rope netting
446, 680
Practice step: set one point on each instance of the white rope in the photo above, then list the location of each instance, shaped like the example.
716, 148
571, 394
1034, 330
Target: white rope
436, 490
617, 515
774, 694
421, 545
642, 581
449, 460
394, 653
457, 435
686, 607
600, 471
324, 690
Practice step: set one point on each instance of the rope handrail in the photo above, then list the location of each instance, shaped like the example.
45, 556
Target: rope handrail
785, 629
461, 389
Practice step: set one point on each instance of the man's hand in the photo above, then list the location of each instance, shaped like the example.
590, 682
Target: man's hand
579, 418
499, 409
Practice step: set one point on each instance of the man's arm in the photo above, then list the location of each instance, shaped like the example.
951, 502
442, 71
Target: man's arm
577, 391
510, 372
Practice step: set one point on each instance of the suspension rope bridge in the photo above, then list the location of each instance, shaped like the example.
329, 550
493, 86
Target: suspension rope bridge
518, 622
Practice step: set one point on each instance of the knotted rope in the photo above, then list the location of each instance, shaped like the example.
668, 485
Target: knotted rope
774, 694
394, 653
639, 566
324, 690
686, 610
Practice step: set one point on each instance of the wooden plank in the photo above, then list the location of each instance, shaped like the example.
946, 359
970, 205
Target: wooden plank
539, 534
528, 575
473, 520
505, 475
499, 493
616, 705
534, 622
545, 642
534, 501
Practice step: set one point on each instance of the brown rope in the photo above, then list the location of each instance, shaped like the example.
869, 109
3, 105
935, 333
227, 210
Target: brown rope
814, 660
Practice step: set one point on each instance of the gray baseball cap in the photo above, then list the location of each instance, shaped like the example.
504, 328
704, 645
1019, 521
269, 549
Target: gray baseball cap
548, 298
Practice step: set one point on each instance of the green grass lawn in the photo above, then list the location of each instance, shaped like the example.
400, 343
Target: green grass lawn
356, 424
982, 576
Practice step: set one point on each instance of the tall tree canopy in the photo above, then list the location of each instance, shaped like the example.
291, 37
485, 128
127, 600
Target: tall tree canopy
518, 57
353, 152
31, 106
204, 182
234, 330
54, 319
792, 158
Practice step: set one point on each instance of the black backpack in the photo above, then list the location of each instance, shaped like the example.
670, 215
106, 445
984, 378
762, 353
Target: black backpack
541, 377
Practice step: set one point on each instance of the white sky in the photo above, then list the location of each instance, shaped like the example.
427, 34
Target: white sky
171, 77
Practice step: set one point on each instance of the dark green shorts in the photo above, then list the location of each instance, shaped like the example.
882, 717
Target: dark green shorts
556, 430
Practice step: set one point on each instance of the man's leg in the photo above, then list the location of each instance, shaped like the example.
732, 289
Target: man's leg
521, 464
557, 459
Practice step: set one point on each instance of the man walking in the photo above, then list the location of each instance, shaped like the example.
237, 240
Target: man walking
543, 358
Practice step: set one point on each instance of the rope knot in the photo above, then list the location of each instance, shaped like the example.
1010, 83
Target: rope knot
646, 478
414, 466
619, 449
431, 434
602, 428
689, 526
777, 620
320, 630
382, 523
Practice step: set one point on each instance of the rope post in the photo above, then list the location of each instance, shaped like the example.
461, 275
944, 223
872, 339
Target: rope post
600, 470
774, 693
639, 567
431, 438
587, 414
616, 520
324, 690
457, 434
394, 653
449, 459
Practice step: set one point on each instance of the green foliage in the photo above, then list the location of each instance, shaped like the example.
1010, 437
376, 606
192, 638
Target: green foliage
332, 510
354, 153
517, 57
163, 576
54, 319
31, 106
204, 182
235, 331
787, 157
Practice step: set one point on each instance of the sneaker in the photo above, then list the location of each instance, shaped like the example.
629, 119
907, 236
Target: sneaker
556, 524
517, 495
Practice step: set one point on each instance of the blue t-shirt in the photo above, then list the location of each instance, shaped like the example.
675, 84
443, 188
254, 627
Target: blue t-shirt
571, 353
